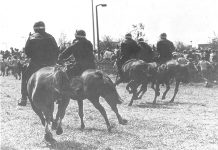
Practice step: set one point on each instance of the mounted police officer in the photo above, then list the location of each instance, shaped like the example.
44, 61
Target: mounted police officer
145, 52
82, 50
165, 48
42, 49
129, 50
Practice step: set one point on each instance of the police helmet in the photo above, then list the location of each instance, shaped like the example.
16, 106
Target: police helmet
128, 36
80, 34
39, 25
163, 35
141, 40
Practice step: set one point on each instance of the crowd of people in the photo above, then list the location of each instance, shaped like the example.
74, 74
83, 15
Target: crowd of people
42, 50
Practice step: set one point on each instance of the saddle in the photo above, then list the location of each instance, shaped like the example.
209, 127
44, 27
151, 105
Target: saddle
75, 83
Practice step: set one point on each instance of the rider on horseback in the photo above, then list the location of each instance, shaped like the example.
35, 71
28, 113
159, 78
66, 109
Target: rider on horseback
129, 50
165, 49
42, 49
82, 50
145, 52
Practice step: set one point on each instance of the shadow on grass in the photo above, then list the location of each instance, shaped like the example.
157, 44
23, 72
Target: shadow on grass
157, 105
64, 145
94, 129
187, 103
167, 105
7, 148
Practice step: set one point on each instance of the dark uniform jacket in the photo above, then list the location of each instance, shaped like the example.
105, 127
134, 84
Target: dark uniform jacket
82, 50
165, 49
42, 49
129, 49
145, 52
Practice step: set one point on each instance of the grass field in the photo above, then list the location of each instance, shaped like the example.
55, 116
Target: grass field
190, 123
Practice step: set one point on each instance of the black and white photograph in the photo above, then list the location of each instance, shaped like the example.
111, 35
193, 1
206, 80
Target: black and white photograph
109, 74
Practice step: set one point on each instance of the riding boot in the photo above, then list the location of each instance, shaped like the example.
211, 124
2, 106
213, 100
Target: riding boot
26, 74
23, 100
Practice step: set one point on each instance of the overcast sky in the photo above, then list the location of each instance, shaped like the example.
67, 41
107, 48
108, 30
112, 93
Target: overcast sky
182, 20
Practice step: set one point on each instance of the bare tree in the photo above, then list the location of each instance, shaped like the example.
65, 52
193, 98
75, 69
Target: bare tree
138, 31
180, 46
107, 43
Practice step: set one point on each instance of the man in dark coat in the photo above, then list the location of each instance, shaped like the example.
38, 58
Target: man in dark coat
129, 50
42, 49
82, 50
165, 48
145, 52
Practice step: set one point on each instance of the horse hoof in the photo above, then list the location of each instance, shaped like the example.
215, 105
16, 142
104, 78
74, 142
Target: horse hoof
43, 122
48, 137
59, 131
109, 128
123, 122
171, 101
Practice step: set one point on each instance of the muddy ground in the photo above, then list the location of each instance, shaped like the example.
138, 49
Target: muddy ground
191, 122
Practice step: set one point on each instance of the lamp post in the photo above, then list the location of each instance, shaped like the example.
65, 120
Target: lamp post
96, 7
93, 26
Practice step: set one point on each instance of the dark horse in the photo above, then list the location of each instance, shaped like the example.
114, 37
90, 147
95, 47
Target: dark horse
92, 85
51, 84
45, 87
138, 73
166, 72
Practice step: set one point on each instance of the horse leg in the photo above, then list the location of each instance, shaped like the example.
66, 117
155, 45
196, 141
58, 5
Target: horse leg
48, 117
101, 109
120, 119
38, 112
3, 73
152, 85
134, 93
167, 89
47, 110
157, 92
80, 104
142, 90
129, 86
6, 71
60, 114
175, 91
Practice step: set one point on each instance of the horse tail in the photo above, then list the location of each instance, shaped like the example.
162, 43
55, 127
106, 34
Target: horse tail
108, 89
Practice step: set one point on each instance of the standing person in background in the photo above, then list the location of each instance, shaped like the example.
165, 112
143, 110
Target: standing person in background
42, 50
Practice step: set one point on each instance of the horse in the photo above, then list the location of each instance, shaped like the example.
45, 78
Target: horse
172, 69
15, 67
45, 87
91, 85
137, 73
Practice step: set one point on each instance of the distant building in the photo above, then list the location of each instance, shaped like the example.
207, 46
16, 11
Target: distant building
204, 46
